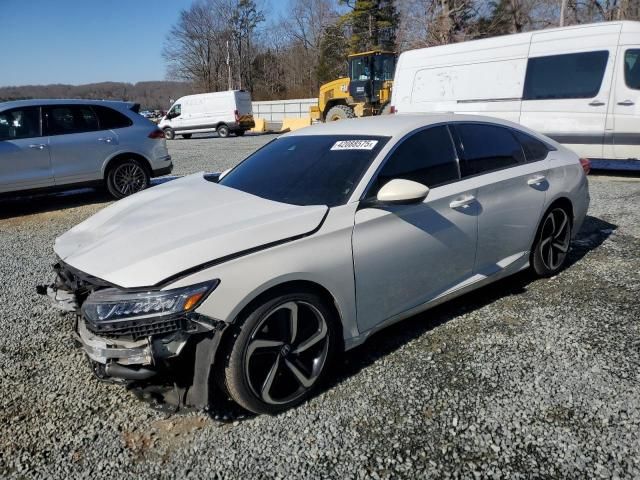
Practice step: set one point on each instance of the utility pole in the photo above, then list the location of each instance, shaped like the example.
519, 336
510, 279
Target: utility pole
229, 66
563, 9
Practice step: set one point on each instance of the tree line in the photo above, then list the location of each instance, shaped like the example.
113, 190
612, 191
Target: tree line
150, 95
221, 44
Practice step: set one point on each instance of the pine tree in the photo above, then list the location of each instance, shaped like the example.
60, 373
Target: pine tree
373, 25
333, 54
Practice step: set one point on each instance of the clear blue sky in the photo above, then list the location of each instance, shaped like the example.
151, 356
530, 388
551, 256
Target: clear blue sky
85, 41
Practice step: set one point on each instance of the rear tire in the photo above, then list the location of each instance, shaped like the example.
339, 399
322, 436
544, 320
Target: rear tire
169, 133
239, 133
552, 242
126, 178
280, 352
340, 112
223, 131
186, 136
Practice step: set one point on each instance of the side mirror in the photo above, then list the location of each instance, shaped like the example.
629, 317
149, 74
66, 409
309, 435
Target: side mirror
402, 191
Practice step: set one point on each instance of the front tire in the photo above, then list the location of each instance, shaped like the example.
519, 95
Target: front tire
280, 353
340, 112
169, 133
552, 242
223, 131
126, 178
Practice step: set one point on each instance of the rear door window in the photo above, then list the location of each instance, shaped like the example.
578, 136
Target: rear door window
486, 148
427, 157
20, 123
67, 119
111, 119
573, 75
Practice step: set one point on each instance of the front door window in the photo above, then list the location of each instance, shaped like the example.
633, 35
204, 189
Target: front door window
20, 123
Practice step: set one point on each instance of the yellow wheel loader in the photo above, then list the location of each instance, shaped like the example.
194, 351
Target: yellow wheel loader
365, 92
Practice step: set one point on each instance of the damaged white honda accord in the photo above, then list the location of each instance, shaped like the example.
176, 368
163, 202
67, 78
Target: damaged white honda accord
248, 285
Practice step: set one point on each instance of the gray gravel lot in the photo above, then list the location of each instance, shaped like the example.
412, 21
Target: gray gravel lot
524, 378
212, 154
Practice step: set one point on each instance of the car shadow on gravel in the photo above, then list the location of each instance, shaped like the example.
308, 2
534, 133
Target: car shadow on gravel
48, 202
593, 233
17, 206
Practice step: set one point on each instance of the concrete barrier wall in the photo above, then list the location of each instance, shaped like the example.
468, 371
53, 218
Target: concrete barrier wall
277, 110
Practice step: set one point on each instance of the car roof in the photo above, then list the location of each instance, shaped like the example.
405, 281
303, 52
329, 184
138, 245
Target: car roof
66, 101
393, 125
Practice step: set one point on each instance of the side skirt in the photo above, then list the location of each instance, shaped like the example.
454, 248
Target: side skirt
472, 283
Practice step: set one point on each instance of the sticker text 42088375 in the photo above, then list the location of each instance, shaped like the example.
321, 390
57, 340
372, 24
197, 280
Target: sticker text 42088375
354, 145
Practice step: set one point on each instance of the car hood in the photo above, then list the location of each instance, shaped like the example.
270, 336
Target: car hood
160, 232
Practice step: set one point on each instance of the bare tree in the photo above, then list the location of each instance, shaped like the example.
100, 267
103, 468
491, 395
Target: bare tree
192, 44
303, 29
435, 22
196, 47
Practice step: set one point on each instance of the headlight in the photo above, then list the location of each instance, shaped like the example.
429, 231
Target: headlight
111, 304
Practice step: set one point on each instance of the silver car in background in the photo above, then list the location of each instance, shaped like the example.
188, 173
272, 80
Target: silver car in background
60, 143
314, 242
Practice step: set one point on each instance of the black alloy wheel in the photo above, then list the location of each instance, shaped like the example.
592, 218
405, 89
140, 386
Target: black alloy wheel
282, 350
552, 247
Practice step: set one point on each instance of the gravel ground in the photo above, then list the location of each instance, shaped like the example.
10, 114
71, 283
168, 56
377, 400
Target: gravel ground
211, 153
519, 379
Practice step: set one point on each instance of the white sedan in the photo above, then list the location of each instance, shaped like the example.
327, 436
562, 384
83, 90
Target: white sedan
247, 287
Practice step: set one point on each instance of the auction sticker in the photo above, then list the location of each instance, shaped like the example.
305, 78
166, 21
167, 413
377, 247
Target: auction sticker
354, 145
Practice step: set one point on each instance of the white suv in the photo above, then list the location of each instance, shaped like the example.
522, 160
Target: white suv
54, 143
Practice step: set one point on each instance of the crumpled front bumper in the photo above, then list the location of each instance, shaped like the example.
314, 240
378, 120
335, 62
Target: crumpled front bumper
172, 365
104, 350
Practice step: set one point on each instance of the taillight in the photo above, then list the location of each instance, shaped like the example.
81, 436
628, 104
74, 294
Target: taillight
156, 134
392, 109
235, 112
586, 165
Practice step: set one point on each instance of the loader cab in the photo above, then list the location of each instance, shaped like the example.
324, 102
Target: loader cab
367, 73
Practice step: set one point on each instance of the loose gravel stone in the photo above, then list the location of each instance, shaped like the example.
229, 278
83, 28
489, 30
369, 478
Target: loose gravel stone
523, 378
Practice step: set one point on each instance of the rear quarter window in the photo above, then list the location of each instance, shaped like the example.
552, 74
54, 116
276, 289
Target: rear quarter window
534, 149
111, 119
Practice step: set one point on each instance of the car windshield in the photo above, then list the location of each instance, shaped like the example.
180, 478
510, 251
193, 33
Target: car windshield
306, 169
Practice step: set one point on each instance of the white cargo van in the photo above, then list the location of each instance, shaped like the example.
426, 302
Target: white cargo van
579, 85
222, 112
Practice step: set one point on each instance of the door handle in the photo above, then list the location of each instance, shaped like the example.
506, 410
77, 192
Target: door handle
106, 139
537, 180
626, 103
39, 146
462, 202
596, 103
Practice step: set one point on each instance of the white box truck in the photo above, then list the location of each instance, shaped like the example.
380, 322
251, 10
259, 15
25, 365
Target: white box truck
579, 85
221, 112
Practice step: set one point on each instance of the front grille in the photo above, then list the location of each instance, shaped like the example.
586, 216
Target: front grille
137, 329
